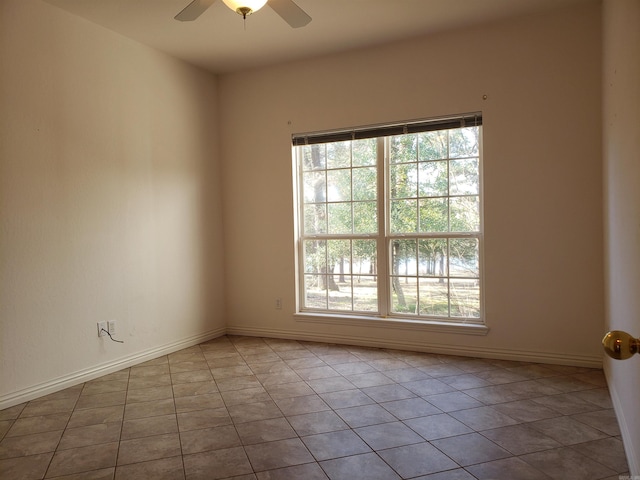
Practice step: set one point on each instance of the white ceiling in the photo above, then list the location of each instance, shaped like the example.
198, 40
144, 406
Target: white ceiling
219, 42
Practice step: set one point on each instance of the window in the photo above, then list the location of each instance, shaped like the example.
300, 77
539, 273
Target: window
390, 221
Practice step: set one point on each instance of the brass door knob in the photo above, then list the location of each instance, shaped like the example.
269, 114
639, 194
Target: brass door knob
620, 345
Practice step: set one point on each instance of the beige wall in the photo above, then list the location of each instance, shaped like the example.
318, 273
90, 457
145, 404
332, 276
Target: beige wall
621, 129
542, 176
109, 201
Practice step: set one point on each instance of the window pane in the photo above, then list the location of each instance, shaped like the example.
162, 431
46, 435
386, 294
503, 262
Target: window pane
403, 216
339, 185
315, 296
465, 298
364, 152
464, 258
404, 295
365, 280
338, 154
463, 142
365, 293
433, 257
465, 214
314, 185
314, 157
433, 179
365, 217
403, 257
341, 298
365, 185
315, 219
463, 177
432, 145
315, 256
339, 220
433, 215
403, 148
434, 297
404, 180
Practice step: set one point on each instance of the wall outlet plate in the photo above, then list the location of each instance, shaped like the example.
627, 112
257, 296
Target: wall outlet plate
102, 329
112, 327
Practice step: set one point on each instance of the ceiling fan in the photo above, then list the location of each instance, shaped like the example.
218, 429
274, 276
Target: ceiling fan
287, 9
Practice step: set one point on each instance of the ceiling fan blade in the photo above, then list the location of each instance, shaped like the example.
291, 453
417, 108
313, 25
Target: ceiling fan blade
193, 10
290, 12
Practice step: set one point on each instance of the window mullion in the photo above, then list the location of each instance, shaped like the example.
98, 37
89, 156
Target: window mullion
383, 208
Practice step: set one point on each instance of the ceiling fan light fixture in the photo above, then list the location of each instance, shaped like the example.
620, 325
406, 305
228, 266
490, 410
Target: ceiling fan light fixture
245, 7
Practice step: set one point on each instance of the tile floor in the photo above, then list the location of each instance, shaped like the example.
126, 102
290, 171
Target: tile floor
258, 408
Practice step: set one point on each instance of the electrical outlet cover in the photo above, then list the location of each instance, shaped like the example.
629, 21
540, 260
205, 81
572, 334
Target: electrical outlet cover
102, 326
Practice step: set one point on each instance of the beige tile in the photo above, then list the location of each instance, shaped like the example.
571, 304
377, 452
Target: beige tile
26, 468
247, 395
29, 425
289, 390
238, 383
98, 388
149, 394
217, 464
162, 469
49, 407
342, 443
194, 376
520, 439
33, 444
199, 402
567, 430
12, 413
388, 435
368, 466
317, 422
365, 415
254, 411
196, 441
437, 426
411, 408
278, 454
83, 459
5, 425
470, 449
483, 418
418, 459
308, 471
149, 370
265, 431
511, 468
101, 474
567, 464
608, 451
94, 416
301, 405
194, 388
188, 366
150, 381
149, 448
186, 356
90, 435
145, 427
526, 410
101, 400
603, 420
149, 409
119, 375
199, 419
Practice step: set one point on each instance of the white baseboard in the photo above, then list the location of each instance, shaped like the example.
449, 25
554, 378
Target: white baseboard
481, 352
632, 451
81, 376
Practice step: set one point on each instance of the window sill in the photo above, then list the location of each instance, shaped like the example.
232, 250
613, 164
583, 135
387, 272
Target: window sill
393, 323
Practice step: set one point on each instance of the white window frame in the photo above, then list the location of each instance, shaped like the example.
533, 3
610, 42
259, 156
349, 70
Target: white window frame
384, 238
